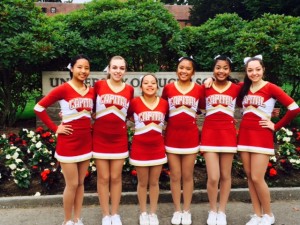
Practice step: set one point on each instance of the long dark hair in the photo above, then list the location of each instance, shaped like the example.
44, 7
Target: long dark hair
230, 63
74, 60
247, 82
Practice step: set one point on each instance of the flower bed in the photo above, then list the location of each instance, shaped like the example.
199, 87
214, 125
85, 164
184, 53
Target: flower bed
27, 165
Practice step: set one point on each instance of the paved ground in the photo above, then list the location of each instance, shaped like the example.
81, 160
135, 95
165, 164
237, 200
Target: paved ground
47, 210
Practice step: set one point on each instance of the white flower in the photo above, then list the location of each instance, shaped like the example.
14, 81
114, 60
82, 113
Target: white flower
18, 161
12, 147
94, 168
0, 175
16, 181
283, 129
12, 166
288, 152
273, 158
8, 156
30, 134
15, 155
39, 144
289, 133
37, 194
25, 130
33, 139
286, 139
52, 163
3, 136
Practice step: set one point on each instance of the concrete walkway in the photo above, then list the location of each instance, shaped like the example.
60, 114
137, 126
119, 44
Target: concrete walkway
47, 210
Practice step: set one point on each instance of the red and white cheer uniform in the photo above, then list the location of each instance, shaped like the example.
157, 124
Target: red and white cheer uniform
257, 106
148, 147
76, 111
219, 132
110, 139
182, 134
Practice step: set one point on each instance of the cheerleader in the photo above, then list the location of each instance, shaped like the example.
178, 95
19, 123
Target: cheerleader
148, 150
110, 143
255, 139
182, 137
218, 136
74, 140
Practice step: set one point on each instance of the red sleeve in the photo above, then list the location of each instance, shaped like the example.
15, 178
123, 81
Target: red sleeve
164, 94
130, 109
202, 104
40, 107
287, 101
96, 88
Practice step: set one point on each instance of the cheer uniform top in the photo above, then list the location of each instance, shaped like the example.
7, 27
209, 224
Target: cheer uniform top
257, 106
148, 147
218, 131
182, 134
110, 139
76, 111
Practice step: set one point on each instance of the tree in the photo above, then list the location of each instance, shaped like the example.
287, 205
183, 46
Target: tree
277, 38
25, 44
140, 31
286, 7
214, 37
203, 10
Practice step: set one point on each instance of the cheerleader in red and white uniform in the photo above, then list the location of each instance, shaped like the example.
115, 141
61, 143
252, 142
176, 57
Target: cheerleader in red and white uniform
148, 152
255, 140
182, 136
74, 140
218, 136
110, 143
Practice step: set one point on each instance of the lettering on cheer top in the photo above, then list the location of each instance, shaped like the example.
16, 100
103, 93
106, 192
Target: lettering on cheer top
219, 100
77, 103
114, 100
183, 100
253, 100
151, 116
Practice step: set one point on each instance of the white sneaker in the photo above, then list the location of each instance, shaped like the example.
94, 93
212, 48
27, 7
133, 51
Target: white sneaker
144, 218
79, 222
267, 220
176, 219
186, 218
221, 218
116, 219
70, 222
255, 220
153, 220
212, 218
106, 220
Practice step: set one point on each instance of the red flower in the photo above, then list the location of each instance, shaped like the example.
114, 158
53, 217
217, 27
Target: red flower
272, 172
87, 173
283, 161
133, 173
298, 149
44, 174
298, 136
35, 167
24, 143
51, 140
270, 164
46, 134
39, 130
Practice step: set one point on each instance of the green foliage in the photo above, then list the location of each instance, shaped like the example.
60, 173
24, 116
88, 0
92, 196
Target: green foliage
216, 36
138, 30
277, 38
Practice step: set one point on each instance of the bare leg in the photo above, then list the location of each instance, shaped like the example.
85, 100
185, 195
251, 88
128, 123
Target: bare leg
174, 161
187, 168
70, 172
213, 173
225, 181
82, 169
154, 187
143, 178
116, 167
103, 178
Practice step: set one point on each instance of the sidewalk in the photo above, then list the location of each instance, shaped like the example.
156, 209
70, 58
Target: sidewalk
47, 210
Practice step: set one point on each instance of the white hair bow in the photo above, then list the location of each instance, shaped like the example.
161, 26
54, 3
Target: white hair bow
191, 57
69, 66
105, 69
248, 58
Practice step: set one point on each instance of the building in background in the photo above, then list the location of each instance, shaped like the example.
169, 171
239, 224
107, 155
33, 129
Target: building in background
181, 12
